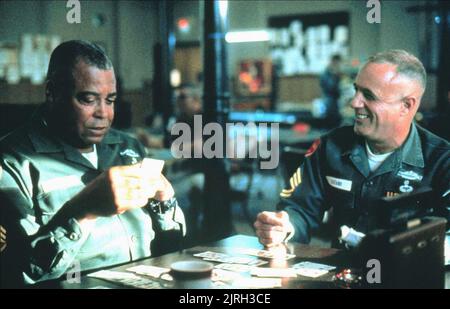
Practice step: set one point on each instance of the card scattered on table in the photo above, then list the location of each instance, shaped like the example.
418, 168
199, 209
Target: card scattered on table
257, 283
147, 270
126, 279
211, 255
225, 275
226, 258
266, 254
312, 270
312, 265
239, 268
274, 272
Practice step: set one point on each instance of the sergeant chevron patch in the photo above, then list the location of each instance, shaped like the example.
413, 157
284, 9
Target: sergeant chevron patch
294, 181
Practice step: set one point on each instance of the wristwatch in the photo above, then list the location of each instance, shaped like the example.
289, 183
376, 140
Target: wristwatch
161, 207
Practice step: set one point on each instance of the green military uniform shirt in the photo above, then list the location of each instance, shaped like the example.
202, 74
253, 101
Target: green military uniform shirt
336, 174
41, 174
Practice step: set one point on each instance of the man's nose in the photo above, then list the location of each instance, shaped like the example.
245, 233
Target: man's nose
357, 101
101, 109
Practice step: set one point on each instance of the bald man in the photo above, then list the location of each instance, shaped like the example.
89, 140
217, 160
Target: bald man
383, 154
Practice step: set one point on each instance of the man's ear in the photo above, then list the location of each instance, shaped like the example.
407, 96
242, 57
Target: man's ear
53, 95
49, 92
409, 104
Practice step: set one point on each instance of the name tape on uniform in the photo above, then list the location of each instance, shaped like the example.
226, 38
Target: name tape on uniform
338, 183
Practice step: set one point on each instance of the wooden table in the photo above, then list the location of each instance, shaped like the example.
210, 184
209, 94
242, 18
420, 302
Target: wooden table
303, 253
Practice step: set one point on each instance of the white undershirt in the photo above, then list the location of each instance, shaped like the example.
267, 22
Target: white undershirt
375, 160
92, 156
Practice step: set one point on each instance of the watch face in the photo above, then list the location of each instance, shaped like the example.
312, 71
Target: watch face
161, 207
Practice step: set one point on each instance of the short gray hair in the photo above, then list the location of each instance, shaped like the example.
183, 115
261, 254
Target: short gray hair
407, 64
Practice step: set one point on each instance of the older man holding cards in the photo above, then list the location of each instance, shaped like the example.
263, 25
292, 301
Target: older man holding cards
75, 194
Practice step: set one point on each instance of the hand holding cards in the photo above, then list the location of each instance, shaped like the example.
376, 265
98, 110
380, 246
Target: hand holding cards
120, 189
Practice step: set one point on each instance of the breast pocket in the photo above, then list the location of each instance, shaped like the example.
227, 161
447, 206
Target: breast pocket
340, 192
101, 237
343, 205
107, 244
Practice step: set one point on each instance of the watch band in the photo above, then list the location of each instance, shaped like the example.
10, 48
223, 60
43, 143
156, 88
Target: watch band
161, 207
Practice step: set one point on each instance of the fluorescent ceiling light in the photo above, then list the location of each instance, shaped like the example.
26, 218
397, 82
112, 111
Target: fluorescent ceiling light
223, 8
247, 36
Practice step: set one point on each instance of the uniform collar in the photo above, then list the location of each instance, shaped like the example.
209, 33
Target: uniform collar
412, 149
357, 154
410, 153
44, 141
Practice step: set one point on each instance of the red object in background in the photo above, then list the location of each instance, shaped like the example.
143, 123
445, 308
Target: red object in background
183, 24
301, 127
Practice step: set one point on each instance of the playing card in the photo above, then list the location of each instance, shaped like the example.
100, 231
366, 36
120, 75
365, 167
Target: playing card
239, 260
312, 273
218, 260
257, 262
274, 272
226, 258
257, 283
211, 255
312, 270
266, 254
225, 275
234, 267
127, 279
311, 265
112, 275
147, 270
152, 166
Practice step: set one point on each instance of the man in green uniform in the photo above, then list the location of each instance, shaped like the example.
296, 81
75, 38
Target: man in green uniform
384, 154
73, 191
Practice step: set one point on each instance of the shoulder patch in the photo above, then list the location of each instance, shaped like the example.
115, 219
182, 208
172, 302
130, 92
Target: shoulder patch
130, 153
294, 181
313, 148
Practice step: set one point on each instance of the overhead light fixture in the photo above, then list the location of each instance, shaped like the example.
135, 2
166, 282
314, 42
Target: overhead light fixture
247, 36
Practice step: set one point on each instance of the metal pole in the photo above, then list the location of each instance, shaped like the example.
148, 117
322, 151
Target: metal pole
163, 93
217, 213
444, 61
